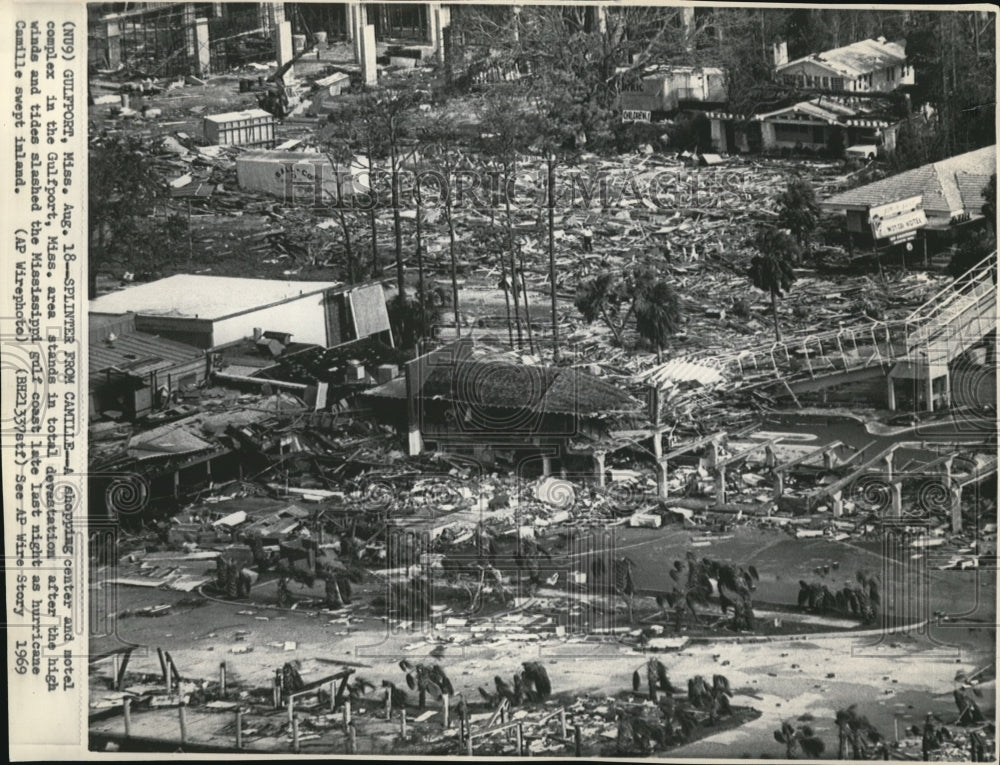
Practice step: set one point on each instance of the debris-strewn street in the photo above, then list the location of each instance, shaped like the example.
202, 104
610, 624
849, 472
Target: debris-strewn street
603, 381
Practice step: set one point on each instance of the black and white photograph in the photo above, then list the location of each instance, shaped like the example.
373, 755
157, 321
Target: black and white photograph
559, 380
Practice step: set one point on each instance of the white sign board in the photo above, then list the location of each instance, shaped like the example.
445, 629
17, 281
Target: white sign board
895, 208
898, 224
636, 115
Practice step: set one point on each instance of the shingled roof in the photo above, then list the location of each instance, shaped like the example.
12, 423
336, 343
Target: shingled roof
948, 187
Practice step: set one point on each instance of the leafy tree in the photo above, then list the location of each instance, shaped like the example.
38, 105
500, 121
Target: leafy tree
657, 314
797, 738
772, 271
798, 210
124, 190
411, 320
639, 294
990, 206
971, 251
856, 731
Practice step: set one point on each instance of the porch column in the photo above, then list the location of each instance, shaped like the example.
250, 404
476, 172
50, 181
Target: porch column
720, 486
896, 508
369, 69
838, 503
828, 459
283, 49
888, 464
599, 468
956, 508
658, 445
770, 460
113, 44
929, 383
779, 484
891, 393
713, 453
203, 57
546, 465
661, 478
946, 465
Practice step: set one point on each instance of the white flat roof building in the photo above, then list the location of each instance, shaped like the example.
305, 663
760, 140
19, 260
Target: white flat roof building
209, 311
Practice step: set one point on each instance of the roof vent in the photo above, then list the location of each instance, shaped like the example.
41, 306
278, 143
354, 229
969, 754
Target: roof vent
880, 39
110, 339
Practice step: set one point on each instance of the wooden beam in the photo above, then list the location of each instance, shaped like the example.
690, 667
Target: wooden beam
697, 444
786, 466
848, 479
747, 452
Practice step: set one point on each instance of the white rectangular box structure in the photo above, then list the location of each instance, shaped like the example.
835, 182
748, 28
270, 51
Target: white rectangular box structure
253, 127
305, 176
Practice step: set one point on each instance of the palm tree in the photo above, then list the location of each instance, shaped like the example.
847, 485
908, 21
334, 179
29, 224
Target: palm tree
772, 270
657, 313
798, 210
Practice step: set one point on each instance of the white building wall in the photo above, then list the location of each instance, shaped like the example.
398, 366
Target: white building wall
304, 318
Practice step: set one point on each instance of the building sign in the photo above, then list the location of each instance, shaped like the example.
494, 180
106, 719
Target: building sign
895, 208
885, 228
636, 115
907, 237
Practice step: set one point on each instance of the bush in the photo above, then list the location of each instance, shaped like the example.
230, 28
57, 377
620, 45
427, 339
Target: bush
741, 308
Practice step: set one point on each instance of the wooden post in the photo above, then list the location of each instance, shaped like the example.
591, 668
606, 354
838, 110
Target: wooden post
127, 713
347, 713
468, 742
239, 728
352, 739
446, 710
333, 696
163, 663
291, 708
463, 716
120, 678
562, 723
277, 689
388, 703
295, 734
520, 739
182, 715
577, 741
222, 679
402, 723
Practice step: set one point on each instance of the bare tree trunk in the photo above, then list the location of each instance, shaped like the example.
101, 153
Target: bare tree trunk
352, 274
454, 265
516, 288
552, 256
774, 315
397, 225
527, 309
506, 298
513, 267
376, 271
421, 294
